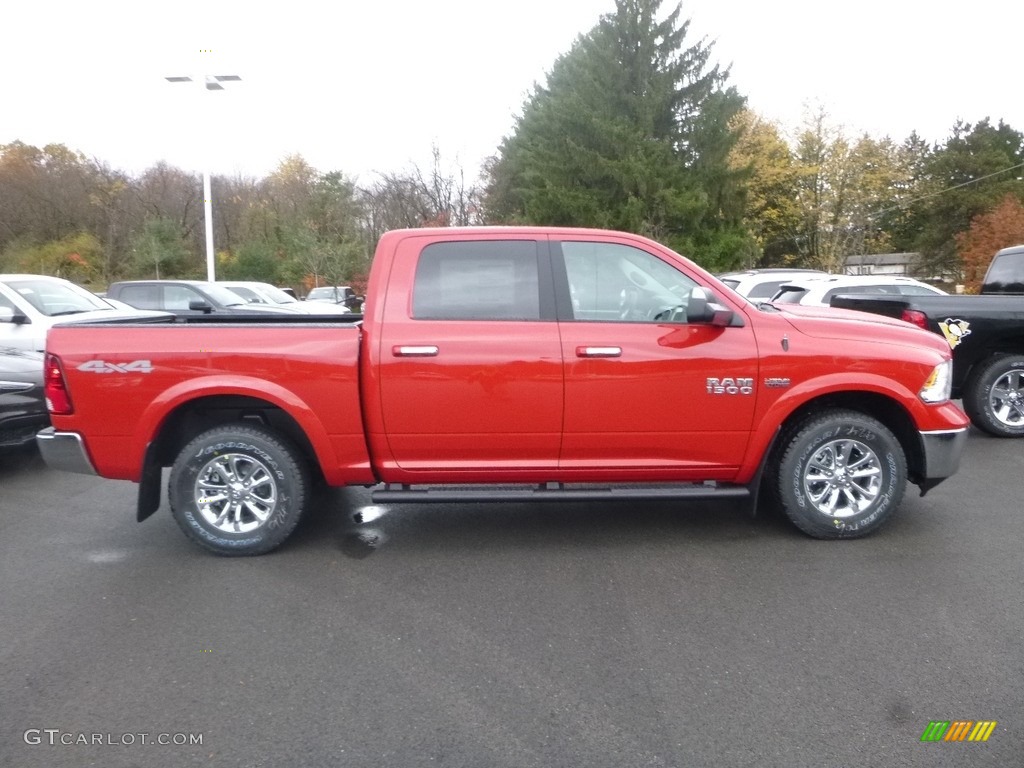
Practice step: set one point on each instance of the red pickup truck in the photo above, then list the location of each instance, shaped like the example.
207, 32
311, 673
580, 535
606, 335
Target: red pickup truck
509, 363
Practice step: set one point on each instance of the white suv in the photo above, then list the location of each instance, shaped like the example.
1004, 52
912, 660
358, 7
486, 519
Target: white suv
30, 304
818, 291
763, 283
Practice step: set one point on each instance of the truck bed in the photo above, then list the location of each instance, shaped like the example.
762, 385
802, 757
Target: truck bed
309, 367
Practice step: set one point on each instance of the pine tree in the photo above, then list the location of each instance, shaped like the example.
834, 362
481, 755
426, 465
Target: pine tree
631, 131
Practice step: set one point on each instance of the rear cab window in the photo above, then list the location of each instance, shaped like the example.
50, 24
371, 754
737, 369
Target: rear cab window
1006, 273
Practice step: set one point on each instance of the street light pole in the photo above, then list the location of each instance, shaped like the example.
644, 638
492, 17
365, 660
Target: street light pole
211, 83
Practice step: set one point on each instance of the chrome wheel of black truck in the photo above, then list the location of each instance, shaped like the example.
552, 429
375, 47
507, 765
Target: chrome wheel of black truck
994, 399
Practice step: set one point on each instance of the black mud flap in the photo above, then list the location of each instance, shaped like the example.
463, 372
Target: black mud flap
149, 485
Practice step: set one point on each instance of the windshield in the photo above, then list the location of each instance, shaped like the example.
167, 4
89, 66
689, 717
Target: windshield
221, 295
247, 293
55, 297
327, 292
789, 294
276, 295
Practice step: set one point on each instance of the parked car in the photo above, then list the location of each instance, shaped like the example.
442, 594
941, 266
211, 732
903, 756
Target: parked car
31, 304
764, 283
337, 294
22, 403
186, 297
818, 291
265, 294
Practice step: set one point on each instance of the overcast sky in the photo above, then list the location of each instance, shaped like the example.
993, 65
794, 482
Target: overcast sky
369, 86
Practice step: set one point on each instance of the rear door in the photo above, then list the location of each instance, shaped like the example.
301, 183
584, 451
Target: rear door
470, 362
647, 393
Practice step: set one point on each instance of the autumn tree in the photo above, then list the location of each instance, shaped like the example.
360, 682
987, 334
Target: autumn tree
311, 222
843, 190
989, 232
770, 213
45, 194
174, 198
76, 257
111, 204
437, 197
978, 166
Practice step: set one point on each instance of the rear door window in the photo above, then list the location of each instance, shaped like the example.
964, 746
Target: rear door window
482, 280
140, 296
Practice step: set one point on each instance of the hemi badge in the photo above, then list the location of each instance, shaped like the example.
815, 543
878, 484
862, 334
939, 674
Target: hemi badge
776, 383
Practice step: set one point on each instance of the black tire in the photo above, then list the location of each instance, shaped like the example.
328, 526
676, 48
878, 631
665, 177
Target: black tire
814, 488
255, 484
994, 397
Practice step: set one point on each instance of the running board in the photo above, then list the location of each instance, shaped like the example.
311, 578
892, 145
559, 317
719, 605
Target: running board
425, 494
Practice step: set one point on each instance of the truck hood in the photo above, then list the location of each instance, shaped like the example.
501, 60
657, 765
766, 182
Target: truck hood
848, 324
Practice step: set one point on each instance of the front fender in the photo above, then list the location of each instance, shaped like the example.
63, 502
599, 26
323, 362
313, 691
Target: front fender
773, 414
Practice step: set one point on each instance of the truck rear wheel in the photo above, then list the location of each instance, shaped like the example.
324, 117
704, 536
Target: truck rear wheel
238, 489
841, 476
994, 399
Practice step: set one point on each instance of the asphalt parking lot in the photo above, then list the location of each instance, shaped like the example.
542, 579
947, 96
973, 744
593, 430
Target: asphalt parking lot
569, 635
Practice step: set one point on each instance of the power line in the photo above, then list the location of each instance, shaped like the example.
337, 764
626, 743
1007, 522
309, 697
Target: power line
947, 189
903, 204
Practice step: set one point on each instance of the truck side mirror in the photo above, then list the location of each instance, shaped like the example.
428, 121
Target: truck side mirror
703, 307
198, 305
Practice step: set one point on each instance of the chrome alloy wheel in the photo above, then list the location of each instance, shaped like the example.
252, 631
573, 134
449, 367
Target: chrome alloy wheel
843, 478
1006, 398
235, 493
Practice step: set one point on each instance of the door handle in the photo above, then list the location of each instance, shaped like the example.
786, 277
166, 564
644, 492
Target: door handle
598, 351
424, 350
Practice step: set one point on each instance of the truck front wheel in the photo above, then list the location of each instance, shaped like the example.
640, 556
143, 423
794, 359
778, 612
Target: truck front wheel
994, 399
842, 475
238, 489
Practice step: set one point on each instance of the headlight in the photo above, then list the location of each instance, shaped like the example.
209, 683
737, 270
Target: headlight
939, 383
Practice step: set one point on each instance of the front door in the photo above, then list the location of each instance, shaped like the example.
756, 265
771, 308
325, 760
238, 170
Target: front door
645, 391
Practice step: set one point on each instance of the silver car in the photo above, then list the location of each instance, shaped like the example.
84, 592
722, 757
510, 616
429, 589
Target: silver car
270, 295
31, 304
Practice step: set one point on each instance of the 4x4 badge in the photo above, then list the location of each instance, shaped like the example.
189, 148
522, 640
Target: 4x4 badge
102, 366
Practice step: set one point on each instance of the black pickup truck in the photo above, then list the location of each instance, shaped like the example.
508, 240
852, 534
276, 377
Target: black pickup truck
986, 334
